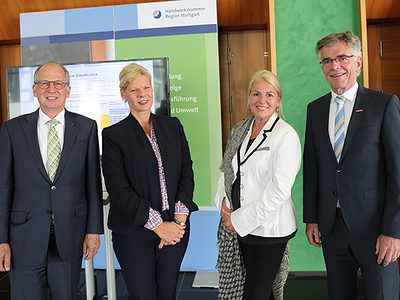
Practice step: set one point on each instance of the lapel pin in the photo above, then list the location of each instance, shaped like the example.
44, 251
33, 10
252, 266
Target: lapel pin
359, 110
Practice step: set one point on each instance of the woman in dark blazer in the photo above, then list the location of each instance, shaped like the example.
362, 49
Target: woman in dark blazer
149, 177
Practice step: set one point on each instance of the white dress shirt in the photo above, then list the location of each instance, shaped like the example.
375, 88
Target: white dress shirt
350, 95
43, 131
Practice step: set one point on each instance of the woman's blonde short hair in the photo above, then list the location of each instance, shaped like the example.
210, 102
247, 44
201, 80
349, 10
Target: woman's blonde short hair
130, 73
269, 77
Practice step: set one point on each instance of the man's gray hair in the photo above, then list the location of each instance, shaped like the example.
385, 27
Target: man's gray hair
36, 74
348, 37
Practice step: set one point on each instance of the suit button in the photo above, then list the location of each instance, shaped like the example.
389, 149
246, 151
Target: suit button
241, 173
49, 211
241, 198
338, 170
335, 193
241, 186
53, 188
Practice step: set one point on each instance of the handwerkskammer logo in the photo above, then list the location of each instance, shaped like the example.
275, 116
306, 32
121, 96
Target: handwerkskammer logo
156, 14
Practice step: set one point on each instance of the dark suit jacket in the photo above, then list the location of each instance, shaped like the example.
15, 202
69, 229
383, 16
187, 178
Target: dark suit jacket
28, 198
367, 177
130, 171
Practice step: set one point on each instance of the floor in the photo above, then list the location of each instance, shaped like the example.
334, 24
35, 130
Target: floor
296, 288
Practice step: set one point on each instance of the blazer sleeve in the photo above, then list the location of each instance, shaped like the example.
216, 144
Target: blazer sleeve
186, 181
6, 183
122, 195
390, 221
285, 164
310, 175
94, 223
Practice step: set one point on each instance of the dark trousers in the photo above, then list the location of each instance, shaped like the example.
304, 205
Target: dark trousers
344, 255
262, 264
54, 276
149, 273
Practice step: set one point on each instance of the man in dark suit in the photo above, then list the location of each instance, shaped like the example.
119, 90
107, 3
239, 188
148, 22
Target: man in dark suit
352, 176
50, 193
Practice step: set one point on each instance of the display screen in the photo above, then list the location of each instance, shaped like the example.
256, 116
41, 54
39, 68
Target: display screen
94, 89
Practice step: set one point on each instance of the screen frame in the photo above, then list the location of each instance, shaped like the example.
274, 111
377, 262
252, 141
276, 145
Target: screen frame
166, 110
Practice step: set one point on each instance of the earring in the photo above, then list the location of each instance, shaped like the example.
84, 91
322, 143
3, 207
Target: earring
277, 110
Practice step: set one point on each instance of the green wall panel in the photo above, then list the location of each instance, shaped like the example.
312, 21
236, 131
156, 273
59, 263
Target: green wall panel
299, 26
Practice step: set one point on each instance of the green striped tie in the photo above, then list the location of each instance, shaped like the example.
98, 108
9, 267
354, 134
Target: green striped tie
53, 149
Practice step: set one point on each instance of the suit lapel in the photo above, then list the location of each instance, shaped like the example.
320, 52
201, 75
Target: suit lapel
71, 130
161, 139
31, 134
261, 137
356, 115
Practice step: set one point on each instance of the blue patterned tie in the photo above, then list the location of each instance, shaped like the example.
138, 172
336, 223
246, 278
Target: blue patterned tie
53, 149
339, 127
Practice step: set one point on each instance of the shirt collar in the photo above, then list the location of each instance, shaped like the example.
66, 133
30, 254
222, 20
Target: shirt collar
43, 118
350, 94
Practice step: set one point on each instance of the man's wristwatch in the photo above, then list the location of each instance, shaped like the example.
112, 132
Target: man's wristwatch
179, 222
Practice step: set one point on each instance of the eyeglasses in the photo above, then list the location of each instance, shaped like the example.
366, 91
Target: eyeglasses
341, 59
45, 84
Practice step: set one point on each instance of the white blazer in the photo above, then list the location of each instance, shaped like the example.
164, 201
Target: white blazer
267, 177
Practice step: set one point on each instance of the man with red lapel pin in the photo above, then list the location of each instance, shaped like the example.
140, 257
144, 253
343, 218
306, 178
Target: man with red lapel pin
352, 176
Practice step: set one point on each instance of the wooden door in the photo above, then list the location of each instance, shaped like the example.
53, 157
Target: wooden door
384, 57
390, 36
241, 54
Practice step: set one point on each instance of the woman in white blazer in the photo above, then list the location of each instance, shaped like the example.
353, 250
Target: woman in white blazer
254, 198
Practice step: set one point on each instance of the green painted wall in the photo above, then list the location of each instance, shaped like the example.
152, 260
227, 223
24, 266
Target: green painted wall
299, 26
